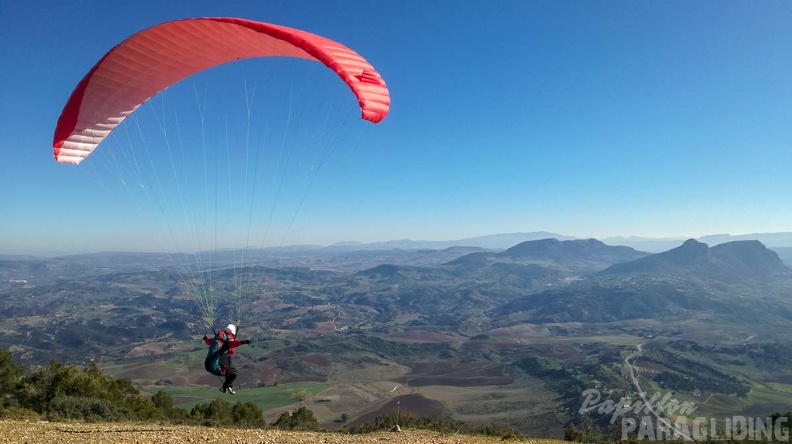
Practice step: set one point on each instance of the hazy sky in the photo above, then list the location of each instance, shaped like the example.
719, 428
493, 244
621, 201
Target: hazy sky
585, 118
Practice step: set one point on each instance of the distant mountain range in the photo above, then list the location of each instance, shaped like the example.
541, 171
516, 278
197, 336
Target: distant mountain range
656, 245
779, 242
742, 279
492, 241
576, 255
732, 260
508, 240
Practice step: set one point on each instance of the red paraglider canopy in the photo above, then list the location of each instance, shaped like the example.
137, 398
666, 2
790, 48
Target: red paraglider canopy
153, 59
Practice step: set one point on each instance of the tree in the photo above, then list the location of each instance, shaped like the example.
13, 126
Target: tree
300, 419
162, 401
215, 413
39, 388
141, 408
9, 377
61, 391
247, 414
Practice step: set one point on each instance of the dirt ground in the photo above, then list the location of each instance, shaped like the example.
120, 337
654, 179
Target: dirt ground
33, 432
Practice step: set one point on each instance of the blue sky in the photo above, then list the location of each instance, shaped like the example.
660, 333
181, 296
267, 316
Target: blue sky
585, 118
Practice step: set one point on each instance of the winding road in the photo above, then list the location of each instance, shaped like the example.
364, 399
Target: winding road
655, 408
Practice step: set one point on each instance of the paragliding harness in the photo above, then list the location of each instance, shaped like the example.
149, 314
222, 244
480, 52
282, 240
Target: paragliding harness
216, 349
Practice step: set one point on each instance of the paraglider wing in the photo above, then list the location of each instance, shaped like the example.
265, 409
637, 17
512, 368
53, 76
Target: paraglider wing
153, 59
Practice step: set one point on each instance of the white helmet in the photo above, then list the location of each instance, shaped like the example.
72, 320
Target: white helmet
231, 328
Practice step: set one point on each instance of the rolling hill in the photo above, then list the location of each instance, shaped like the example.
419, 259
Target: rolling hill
513, 335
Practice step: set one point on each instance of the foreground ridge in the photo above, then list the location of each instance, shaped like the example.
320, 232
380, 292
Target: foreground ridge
121, 433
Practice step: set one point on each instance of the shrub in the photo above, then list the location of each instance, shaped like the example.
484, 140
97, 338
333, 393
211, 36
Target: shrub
216, 413
247, 415
18, 413
162, 401
442, 424
141, 408
88, 409
164, 404
300, 419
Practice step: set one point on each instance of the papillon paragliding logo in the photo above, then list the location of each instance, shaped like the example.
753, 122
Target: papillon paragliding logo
147, 63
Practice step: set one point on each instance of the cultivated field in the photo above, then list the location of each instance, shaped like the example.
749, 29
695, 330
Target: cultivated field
266, 398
